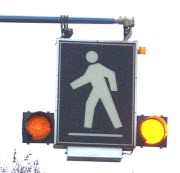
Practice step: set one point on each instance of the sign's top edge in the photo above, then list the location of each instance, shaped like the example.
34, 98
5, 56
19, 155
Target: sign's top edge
96, 41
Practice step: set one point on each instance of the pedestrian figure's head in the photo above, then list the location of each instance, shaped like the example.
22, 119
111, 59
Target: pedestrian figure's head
92, 56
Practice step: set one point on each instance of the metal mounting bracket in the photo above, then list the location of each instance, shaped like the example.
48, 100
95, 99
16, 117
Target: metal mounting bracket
127, 25
65, 31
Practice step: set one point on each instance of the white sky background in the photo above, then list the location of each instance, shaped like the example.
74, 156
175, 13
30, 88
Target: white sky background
28, 75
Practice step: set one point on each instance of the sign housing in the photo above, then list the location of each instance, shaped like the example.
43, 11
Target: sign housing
96, 93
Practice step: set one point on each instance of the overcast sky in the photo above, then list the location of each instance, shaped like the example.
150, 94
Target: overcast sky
28, 75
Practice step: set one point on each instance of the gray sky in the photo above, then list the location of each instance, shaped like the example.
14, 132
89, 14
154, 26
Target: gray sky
28, 75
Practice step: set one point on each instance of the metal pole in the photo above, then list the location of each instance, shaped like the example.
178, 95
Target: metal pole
127, 23
47, 19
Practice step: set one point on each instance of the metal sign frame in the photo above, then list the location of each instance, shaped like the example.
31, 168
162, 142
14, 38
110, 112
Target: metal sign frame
64, 144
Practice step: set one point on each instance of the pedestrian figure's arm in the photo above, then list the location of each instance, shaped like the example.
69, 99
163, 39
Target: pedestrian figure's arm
79, 82
112, 81
111, 78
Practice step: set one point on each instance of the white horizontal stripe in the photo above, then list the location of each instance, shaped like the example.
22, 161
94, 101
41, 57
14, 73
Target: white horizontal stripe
95, 134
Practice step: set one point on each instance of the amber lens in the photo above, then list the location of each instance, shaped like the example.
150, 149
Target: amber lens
154, 130
38, 127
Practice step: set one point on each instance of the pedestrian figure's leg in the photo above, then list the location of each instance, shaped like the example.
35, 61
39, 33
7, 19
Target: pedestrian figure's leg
111, 110
89, 110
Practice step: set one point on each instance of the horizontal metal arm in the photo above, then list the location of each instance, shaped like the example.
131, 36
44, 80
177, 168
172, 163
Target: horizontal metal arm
126, 22
47, 19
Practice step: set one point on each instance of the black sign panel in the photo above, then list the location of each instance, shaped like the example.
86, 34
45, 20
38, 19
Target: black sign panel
96, 93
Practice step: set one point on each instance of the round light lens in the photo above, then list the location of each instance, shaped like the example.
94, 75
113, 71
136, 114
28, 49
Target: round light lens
154, 129
38, 127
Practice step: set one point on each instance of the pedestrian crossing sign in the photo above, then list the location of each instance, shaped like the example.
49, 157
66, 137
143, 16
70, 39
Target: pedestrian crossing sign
96, 93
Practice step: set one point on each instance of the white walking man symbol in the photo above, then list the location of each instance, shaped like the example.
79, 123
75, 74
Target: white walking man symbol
95, 74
